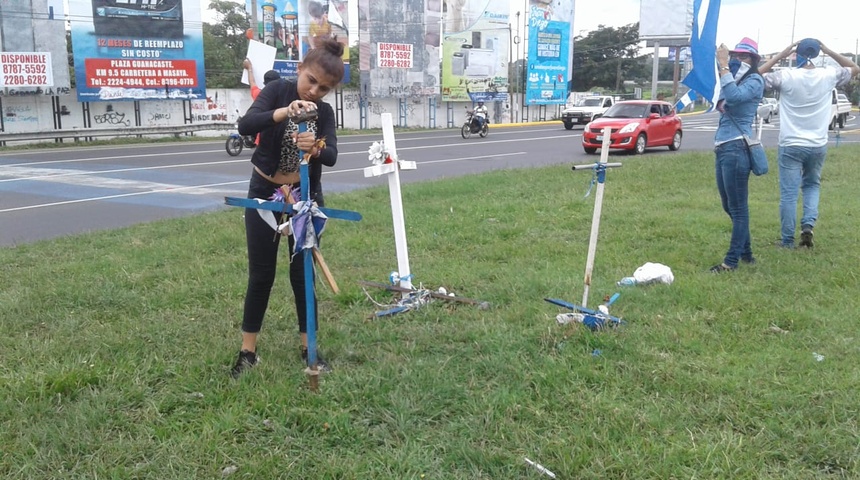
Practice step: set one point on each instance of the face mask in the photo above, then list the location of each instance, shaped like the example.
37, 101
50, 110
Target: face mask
734, 66
738, 68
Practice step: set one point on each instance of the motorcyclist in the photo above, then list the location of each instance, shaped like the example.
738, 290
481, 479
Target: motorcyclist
481, 114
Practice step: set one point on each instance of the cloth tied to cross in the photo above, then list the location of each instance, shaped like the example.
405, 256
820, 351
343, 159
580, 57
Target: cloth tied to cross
307, 224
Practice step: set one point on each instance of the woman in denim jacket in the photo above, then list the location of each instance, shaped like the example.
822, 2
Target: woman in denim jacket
741, 90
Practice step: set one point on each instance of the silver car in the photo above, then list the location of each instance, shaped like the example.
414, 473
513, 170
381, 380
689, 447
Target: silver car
766, 109
773, 102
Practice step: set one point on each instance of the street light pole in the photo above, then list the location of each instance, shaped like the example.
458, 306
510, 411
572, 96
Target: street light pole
254, 19
793, 21
517, 71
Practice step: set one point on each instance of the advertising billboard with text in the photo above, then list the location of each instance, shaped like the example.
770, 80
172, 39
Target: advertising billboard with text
399, 42
549, 51
33, 59
137, 49
475, 50
295, 26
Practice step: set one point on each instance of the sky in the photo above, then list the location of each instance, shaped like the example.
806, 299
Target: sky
833, 22
770, 22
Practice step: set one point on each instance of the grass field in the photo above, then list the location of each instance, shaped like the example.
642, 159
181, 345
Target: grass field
116, 357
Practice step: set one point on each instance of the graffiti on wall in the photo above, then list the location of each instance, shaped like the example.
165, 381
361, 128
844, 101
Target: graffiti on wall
158, 118
21, 92
110, 118
19, 114
376, 108
351, 101
209, 110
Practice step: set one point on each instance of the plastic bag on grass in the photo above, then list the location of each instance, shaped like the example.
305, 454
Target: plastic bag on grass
654, 273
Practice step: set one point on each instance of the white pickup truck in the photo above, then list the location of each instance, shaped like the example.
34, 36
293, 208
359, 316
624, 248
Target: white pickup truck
586, 110
840, 109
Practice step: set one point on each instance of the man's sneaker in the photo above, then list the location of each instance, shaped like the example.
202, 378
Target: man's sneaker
246, 361
749, 260
322, 365
806, 237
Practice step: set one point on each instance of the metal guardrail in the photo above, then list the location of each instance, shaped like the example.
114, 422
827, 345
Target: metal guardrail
82, 133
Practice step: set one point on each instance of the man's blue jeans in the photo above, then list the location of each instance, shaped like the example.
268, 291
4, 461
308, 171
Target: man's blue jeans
799, 171
733, 174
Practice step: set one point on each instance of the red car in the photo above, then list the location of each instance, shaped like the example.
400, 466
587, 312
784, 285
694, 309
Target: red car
635, 125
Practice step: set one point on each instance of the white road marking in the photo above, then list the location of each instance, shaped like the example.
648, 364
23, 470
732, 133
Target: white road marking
458, 143
121, 195
155, 188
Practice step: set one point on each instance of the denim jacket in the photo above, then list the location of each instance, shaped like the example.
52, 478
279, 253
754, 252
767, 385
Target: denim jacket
741, 104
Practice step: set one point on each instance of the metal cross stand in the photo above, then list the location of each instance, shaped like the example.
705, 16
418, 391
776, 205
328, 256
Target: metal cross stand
594, 319
308, 244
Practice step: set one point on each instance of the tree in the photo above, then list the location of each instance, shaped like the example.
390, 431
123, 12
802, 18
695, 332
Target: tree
354, 74
225, 44
606, 57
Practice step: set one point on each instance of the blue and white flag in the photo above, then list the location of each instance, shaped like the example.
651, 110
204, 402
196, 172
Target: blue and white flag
703, 78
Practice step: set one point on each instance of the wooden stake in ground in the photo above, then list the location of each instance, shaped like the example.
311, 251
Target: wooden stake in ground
329, 278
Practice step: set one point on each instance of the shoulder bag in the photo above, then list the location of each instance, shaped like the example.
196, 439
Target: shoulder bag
758, 158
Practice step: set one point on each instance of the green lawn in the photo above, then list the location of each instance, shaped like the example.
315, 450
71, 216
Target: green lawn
115, 362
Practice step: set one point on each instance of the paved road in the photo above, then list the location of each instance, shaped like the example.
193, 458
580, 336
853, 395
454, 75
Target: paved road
50, 193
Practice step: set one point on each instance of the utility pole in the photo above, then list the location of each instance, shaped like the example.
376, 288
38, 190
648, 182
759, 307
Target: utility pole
254, 19
793, 22
516, 105
655, 69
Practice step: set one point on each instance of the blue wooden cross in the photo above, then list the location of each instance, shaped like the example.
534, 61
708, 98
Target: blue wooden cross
307, 252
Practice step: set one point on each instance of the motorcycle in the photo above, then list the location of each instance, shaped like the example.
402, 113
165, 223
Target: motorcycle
235, 142
472, 125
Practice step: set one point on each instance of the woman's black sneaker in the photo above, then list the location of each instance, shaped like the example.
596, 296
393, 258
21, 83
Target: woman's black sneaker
247, 360
322, 365
721, 268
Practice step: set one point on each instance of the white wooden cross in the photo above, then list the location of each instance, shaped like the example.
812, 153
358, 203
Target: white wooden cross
393, 171
601, 166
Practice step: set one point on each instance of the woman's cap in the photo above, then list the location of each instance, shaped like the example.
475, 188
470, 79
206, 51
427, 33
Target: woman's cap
747, 45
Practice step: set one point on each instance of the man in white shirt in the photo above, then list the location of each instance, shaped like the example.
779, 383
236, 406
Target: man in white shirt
481, 113
804, 117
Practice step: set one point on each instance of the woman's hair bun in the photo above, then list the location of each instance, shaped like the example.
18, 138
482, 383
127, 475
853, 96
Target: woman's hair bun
333, 47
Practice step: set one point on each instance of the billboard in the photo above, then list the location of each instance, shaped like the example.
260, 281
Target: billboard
400, 47
137, 49
549, 51
665, 19
476, 50
33, 58
293, 26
